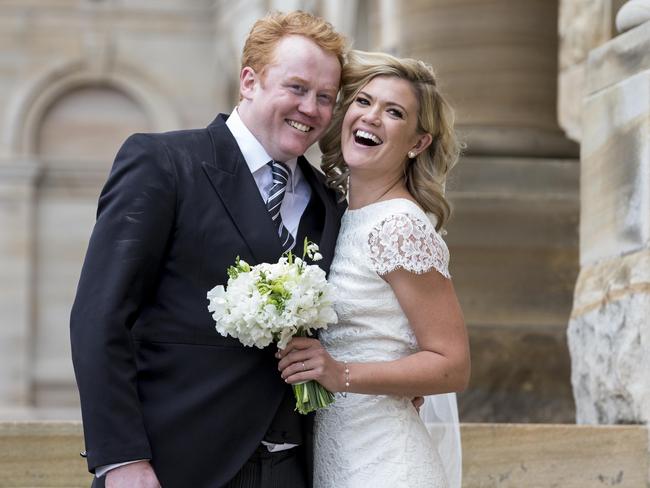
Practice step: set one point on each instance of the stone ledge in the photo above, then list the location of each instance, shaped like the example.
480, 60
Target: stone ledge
618, 59
515, 177
547, 455
42, 454
46, 454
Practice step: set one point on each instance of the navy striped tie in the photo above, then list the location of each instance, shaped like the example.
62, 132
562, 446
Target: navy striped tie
280, 173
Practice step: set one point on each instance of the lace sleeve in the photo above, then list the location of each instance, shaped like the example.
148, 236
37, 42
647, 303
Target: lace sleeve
408, 242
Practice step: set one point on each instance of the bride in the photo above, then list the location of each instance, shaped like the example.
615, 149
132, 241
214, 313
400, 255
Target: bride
401, 332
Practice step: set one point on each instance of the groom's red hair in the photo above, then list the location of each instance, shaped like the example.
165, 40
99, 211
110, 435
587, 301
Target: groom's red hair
266, 32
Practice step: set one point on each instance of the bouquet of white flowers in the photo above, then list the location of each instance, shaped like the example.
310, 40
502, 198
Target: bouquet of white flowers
274, 302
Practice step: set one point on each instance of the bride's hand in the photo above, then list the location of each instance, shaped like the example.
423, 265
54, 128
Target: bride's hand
417, 402
306, 359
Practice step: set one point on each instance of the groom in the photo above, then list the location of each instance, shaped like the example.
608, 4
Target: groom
165, 399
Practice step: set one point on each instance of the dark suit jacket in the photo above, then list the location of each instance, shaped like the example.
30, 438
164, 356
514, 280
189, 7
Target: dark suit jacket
155, 378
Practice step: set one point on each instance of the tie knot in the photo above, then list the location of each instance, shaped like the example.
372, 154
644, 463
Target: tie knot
280, 172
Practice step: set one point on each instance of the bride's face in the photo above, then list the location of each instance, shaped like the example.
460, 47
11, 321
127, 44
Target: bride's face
380, 126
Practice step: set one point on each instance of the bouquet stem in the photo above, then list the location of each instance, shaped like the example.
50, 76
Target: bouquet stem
311, 396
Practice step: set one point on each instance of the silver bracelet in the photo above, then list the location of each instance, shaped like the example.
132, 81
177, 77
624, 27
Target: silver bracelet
347, 379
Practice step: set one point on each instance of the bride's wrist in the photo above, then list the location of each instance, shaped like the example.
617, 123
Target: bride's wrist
346, 379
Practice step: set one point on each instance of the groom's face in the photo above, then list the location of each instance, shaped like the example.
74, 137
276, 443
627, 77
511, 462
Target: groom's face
290, 104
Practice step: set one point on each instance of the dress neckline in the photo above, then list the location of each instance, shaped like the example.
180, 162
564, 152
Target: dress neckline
383, 202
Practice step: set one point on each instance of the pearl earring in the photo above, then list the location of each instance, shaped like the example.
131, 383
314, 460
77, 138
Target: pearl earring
411, 154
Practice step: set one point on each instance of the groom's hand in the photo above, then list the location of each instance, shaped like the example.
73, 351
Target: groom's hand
134, 475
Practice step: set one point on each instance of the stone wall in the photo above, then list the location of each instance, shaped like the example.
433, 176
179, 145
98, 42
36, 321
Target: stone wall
609, 330
76, 78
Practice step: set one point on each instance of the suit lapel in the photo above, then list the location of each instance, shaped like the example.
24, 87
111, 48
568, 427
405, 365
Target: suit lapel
235, 186
332, 221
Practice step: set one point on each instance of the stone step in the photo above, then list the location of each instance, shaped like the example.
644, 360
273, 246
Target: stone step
46, 454
554, 455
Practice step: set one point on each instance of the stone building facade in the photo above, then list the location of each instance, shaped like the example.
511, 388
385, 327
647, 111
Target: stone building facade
78, 76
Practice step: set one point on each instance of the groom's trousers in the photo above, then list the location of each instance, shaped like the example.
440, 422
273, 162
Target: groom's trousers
263, 470
271, 470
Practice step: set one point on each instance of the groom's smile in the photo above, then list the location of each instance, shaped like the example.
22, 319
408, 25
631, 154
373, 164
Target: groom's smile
299, 126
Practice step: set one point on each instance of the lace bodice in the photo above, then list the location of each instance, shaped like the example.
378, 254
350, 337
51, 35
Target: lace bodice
377, 440
374, 241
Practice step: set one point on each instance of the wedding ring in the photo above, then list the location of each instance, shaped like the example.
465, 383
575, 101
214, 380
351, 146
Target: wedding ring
303, 366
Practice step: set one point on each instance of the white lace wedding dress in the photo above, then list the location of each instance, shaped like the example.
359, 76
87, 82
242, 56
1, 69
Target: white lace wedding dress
378, 441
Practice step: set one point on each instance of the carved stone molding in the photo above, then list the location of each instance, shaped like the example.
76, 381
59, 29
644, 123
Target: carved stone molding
632, 14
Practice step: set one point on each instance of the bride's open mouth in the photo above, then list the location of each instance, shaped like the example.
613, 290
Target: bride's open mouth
366, 138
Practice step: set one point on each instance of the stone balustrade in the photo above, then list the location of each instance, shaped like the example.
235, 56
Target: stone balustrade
46, 454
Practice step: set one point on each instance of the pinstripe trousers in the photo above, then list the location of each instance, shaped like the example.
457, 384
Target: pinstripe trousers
263, 470
270, 470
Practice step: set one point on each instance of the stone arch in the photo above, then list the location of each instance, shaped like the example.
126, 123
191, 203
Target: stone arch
26, 112
85, 126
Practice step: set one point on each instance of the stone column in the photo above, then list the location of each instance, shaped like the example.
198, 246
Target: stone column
513, 235
498, 62
609, 329
17, 181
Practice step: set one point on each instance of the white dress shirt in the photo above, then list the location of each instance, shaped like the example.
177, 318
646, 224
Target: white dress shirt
296, 198
298, 192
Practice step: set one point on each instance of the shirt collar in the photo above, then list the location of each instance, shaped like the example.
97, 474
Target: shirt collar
254, 153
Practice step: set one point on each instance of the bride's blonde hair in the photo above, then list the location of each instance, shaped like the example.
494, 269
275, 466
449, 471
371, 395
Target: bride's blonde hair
427, 172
